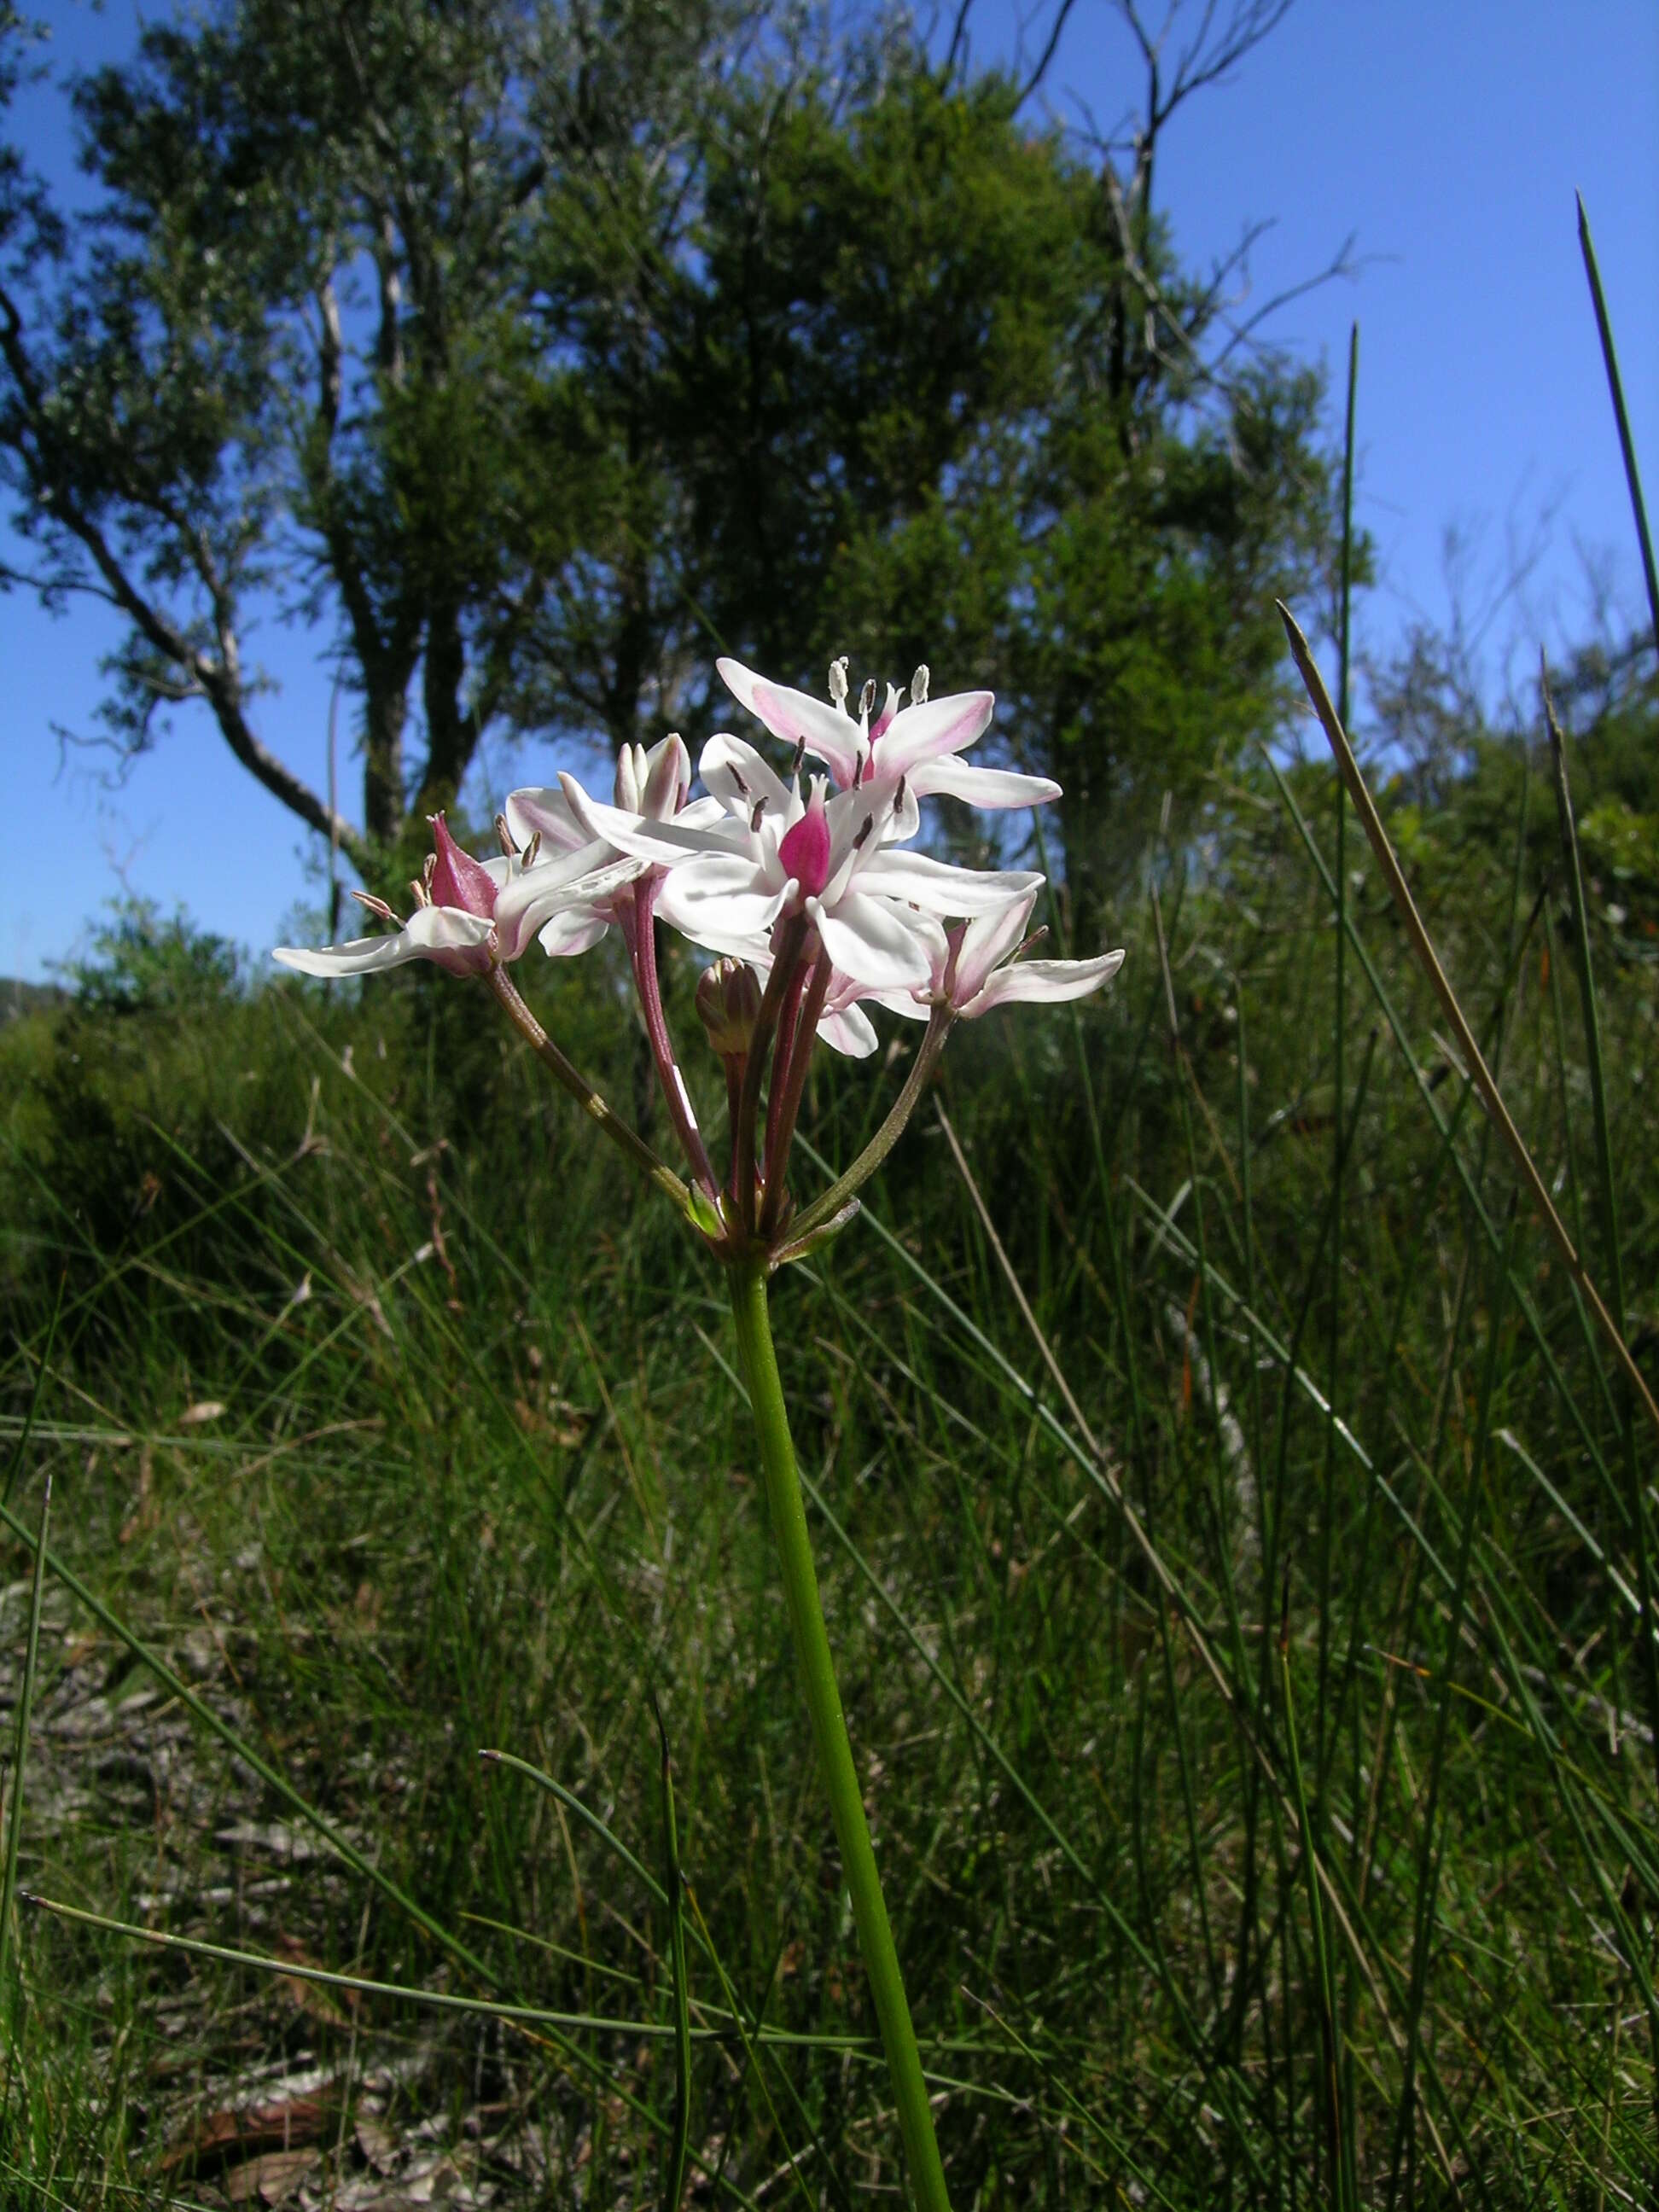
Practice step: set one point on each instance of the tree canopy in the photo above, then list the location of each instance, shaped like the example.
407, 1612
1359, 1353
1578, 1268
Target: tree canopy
539, 350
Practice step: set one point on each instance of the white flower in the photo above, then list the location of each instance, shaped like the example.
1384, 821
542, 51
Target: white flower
773, 855
470, 916
654, 785
915, 746
981, 969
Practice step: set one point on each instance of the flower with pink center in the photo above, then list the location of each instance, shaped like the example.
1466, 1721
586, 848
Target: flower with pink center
773, 854
654, 784
981, 968
470, 916
911, 750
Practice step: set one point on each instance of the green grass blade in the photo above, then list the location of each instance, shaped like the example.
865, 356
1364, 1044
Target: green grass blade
21, 1740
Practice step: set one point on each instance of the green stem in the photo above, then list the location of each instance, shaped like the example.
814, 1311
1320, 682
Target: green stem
829, 1203
800, 1583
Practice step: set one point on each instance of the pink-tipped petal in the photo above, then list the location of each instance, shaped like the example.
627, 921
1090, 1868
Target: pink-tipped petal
796, 717
543, 812
942, 726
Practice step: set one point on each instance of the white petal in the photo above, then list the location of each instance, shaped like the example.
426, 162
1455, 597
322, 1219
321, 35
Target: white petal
582, 879
664, 842
938, 886
738, 776
1045, 980
877, 942
901, 823
454, 939
544, 809
850, 1031
913, 1008
987, 941
830, 736
577, 931
940, 726
717, 901
987, 788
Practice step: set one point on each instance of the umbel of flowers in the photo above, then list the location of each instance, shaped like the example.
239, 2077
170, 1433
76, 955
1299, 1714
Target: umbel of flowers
806, 885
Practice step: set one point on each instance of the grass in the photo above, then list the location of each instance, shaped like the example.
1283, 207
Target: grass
1265, 1796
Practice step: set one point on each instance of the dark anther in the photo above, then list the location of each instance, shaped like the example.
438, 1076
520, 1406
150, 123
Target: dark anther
754, 818
863, 837
867, 697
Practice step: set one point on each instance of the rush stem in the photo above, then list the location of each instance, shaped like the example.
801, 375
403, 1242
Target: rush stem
800, 1584
629, 1140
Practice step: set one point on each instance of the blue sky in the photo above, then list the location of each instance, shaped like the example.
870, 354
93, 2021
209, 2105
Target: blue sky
1449, 139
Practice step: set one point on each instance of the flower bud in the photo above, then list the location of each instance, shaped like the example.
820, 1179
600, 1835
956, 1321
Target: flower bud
630, 779
664, 778
729, 1001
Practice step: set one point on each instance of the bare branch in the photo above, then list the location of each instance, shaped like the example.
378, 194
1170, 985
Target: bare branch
958, 39
1056, 30
218, 680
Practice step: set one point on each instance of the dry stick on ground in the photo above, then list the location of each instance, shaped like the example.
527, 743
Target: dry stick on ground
1480, 1074
1107, 1475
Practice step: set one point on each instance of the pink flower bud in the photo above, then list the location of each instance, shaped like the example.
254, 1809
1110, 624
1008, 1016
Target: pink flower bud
457, 880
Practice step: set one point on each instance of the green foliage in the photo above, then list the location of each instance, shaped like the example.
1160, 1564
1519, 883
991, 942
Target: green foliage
480, 1478
539, 353
143, 961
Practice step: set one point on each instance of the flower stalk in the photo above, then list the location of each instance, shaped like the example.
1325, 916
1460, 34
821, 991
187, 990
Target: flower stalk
597, 1111
818, 895
747, 1278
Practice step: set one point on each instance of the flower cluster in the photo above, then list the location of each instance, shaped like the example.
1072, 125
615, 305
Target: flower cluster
815, 900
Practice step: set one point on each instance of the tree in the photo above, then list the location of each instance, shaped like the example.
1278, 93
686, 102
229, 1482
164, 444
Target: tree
548, 350
294, 351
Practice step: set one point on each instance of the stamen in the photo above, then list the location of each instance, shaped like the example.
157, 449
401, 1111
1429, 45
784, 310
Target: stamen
378, 907
899, 795
867, 697
799, 756
838, 682
864, 835
422, 896
504, 837
532, 850
754, 818
918, 684
742, 787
